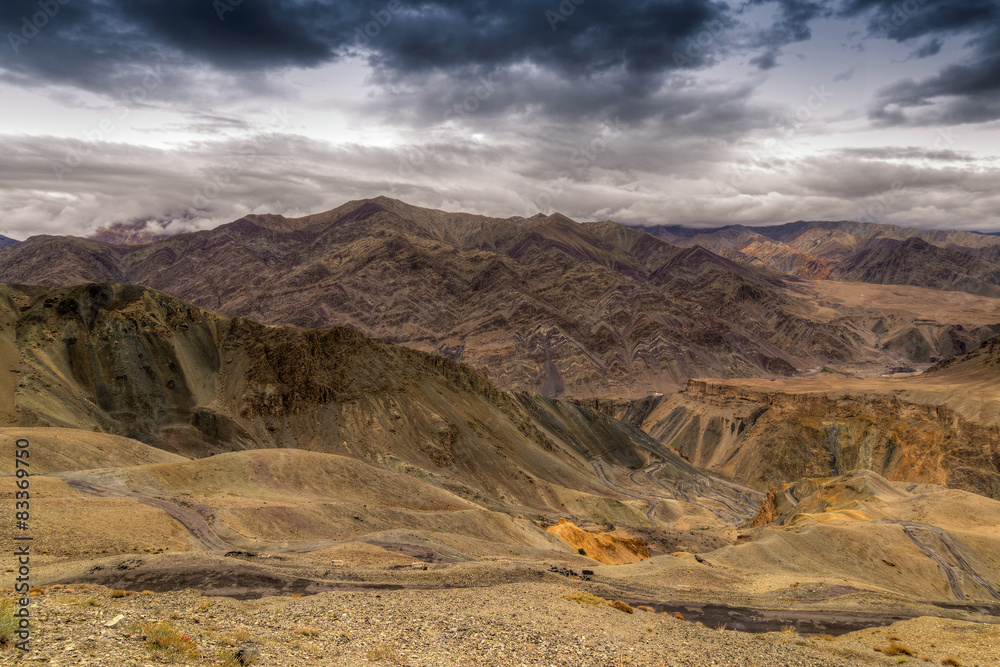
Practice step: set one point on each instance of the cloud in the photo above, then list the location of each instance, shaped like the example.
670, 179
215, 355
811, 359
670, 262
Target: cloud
968, 92
791, 25
931, 47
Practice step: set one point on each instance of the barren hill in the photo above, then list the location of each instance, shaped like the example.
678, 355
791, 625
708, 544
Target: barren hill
128, 361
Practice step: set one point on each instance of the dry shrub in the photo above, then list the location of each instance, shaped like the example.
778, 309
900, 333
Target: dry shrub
621, 606
295, 595
167, 641
952, 660
308, 631
119, 593
148, 592
679, 616
828, 638
895, 648
36, 590
644, 607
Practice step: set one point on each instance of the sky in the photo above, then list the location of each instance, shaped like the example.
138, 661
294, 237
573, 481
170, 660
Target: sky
186, 114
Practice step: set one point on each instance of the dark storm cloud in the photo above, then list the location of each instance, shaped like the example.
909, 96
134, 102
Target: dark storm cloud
965, 93
620, 56
792, 25
576, 39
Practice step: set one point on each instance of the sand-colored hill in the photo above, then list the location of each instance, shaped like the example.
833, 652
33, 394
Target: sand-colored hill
302, 439
55, 450
602, 547
906, 538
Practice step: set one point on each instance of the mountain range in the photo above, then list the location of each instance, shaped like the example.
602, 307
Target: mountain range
857, 252
548, 305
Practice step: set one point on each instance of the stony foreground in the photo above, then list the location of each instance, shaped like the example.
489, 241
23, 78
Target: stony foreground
520, 624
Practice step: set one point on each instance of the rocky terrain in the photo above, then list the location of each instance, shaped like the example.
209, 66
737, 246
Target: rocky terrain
542, 304
465, 626
317, 494
937, 427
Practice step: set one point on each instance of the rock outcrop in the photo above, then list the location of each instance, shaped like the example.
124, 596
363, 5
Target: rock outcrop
941, 427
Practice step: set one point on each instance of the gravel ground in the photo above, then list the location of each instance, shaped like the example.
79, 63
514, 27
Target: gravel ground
505, 625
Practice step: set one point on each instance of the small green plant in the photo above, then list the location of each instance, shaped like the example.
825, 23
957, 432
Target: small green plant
164, 640
8, 624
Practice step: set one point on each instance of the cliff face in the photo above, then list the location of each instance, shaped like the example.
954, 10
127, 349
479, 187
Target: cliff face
940, 428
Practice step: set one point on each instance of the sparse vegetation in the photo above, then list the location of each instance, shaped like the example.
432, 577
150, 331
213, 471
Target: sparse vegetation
307, 631
381, 652
679, 616
582, 551
894, 648
622, 606
584, 597
166, 641
8, 624
119, 593
952, 660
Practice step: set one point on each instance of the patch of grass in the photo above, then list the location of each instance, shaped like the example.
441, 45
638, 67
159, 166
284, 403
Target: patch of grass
307, 631
643, 607
119, 593
381, 652
789, 630
36, 590
166, 641
952, 660
8, 624
622, 606
91, 602
828, 638
227, 658
238, 637
584, 597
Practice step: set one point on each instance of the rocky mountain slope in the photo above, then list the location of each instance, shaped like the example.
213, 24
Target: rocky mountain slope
938, 427
330, 409
542, 304
855, 251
